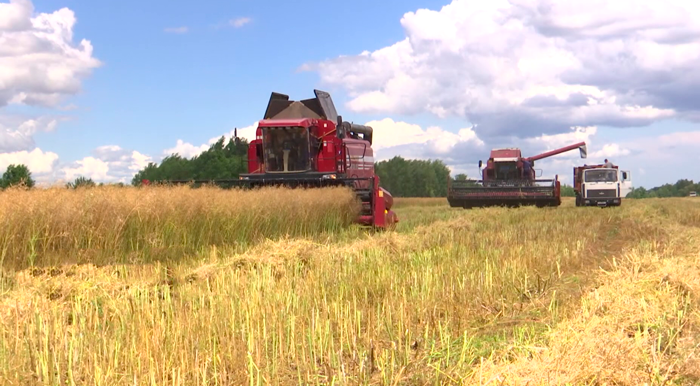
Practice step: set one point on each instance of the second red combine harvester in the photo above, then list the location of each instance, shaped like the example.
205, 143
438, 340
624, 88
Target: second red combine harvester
307, 144
509, 180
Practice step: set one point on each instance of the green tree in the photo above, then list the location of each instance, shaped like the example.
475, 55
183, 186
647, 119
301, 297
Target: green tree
681, 188
81, 182
223, 160
413, 178
567, 191
17, 175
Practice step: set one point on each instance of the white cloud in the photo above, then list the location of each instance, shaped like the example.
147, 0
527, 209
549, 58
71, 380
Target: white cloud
16, 132
532, 67
138, 161
40, 163
188, 150
239, 22
391, 138
15, 15
611, 150
89, 167
577, 134
108, 163
39, 64
177, 30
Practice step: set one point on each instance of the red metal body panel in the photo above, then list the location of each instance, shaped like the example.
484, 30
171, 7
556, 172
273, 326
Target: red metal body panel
254, 160
351, 157
303, 122
359, 158
505, 153
329, 155
557, 151
504, 194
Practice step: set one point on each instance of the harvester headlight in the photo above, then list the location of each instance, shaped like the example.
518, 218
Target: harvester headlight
242, 178
331, 176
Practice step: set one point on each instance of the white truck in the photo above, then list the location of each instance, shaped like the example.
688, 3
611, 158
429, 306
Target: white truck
596, 185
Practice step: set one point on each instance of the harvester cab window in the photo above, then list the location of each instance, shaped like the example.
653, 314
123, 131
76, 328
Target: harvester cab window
506, 171
286, 149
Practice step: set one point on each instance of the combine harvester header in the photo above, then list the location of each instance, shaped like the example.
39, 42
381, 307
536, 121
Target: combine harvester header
307, 144
509, 180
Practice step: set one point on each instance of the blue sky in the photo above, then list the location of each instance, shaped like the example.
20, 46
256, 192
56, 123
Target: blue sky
188, 71
156, 87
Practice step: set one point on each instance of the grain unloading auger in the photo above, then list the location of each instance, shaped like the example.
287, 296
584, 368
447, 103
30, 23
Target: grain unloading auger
509, 180
307, 144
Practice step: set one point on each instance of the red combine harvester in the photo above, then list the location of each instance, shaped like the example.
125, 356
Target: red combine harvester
509, 180
307, 144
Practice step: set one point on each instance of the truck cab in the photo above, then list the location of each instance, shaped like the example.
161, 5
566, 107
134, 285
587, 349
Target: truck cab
596, 185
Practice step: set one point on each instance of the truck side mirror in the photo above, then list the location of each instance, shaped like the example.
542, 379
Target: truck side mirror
480, 163
624, 175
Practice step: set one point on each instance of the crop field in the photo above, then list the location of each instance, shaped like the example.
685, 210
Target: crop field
162, 286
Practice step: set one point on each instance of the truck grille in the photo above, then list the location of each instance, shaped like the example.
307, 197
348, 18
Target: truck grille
601, 193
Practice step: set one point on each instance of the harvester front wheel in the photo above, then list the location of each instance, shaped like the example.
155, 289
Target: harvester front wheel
391, 220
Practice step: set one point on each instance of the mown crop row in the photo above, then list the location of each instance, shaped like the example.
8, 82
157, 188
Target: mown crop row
479, 296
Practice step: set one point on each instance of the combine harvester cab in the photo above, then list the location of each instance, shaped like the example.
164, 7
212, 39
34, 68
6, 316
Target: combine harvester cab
307, 144
508, 179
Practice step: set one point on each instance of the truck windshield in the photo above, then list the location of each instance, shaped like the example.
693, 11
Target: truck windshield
601, 175
286, 149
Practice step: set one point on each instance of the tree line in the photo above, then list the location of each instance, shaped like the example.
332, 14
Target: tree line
681, 188
223, 160
413, 178
228, 159
19, 175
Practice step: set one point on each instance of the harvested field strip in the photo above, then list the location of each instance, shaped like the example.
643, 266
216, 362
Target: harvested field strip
637, 325
488, 295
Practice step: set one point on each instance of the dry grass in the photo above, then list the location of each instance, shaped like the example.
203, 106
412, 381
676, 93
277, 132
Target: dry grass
494, 296
111, 224
403, 202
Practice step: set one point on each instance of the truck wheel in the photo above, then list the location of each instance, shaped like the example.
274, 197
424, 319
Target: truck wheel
578, 200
